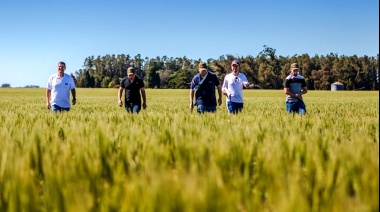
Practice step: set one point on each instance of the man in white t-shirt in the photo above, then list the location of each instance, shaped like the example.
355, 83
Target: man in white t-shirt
58, 90
233, 88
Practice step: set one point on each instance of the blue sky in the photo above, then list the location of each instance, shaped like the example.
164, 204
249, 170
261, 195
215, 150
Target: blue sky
36, 35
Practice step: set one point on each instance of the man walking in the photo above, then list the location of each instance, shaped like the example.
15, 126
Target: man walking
58, 90
132, 85
203, 86
294, 88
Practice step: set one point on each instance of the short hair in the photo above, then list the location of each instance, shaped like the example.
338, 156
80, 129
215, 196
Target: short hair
63, 63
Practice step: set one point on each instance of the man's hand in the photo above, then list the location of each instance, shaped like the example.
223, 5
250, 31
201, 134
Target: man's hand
228, 96
191, 107
144, 105
120, 103
48, 105
219, 101
299, 96
74, 101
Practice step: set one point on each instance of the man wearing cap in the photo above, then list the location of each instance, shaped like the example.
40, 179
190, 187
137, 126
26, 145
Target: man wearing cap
233, 85
294, 88
132, 85
203, 85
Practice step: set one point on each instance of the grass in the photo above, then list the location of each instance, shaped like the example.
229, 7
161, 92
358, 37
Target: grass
99, 158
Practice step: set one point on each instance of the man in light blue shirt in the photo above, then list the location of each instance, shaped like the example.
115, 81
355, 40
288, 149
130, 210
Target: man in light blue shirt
58, 90
233, 88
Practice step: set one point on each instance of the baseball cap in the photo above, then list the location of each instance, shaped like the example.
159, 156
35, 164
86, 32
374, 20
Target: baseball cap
235, 62
294, 66
131, 70
202, 66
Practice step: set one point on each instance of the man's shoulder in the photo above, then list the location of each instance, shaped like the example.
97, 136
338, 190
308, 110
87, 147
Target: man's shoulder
138, 79
241, 75
53, 76
211, 73
67, 75
298, 77
197, 77
230, 75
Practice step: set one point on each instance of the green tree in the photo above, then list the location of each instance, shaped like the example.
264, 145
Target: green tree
152, 78
181, 79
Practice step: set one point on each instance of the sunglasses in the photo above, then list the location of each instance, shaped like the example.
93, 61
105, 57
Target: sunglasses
236, 79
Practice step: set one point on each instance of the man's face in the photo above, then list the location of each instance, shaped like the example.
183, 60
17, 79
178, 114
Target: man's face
235, 69
131, 76
61, 67
294, 72
202, 71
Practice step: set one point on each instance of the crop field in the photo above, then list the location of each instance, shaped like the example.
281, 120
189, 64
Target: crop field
97, 157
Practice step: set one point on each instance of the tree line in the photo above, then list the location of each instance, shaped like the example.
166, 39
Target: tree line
266, 70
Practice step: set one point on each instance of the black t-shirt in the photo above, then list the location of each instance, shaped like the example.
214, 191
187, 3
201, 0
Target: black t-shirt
132, 89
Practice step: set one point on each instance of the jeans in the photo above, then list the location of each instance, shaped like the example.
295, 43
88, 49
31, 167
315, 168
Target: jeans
56, 108
234, 107
205, 108
296, 107
132, 108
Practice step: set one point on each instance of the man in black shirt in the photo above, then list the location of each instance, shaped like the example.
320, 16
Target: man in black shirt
132, 85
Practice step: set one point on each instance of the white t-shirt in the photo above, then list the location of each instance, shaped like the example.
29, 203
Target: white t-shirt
60, 89
233, 85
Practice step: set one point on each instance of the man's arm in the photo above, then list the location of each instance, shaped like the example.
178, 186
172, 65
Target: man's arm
48, 94
219, 87
304, 90
191, 99
119, 95
74, 94
225, 89
143, 97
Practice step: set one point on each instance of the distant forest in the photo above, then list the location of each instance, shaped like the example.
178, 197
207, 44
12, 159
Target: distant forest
266, 70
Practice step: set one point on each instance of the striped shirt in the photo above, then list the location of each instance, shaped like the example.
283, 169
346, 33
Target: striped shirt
295, 85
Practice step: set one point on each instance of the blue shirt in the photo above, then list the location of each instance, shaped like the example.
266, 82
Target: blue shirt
205, 94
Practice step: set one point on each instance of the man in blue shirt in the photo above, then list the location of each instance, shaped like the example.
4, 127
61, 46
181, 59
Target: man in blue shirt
58, 90
294, 88
203, 85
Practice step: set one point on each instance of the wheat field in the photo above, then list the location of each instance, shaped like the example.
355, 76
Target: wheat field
99, 158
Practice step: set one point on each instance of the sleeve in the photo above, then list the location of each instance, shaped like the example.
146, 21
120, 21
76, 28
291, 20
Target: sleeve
244, 78
216, 80
49, 85
72, 83
303, 83
192, 84
225, 84
122, 83
286, 83
142, 83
